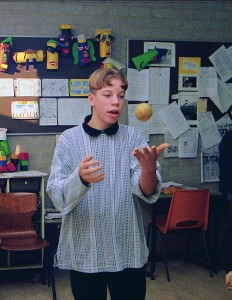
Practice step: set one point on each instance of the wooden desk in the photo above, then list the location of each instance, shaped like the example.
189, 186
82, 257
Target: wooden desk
161, 207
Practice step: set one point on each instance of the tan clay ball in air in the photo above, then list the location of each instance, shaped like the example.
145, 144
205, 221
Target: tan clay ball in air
143, 112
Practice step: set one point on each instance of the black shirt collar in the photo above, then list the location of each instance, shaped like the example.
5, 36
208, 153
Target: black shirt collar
95, 132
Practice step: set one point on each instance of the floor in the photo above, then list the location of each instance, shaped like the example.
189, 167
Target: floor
189, 282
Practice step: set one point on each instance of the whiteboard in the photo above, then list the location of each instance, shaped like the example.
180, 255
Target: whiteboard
72, 111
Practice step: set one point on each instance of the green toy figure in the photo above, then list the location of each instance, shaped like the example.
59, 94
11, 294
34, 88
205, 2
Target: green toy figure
144, 59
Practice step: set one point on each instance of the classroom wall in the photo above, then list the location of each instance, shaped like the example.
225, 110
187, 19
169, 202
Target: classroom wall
161, 20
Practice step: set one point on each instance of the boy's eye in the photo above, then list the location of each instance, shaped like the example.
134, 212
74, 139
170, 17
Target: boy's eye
121, 97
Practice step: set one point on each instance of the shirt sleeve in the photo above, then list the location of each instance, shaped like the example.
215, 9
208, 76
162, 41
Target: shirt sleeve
136, 172
64, 185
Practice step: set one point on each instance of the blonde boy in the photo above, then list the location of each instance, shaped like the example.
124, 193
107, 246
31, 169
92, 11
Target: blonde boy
99, 172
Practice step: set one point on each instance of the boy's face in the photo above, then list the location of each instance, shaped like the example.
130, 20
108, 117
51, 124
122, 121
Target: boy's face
107, 104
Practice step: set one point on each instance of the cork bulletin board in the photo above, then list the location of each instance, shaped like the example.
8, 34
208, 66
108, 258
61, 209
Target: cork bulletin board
182, 49
66, 70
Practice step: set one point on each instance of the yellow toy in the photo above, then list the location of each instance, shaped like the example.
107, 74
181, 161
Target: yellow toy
29, 56
110, 63
104, 36
52, 55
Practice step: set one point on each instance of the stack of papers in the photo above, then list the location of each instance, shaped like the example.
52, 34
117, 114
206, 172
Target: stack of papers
53, 215
170, 183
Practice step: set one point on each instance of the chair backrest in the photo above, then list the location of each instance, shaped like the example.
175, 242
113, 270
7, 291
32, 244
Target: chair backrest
188, 210
16, 210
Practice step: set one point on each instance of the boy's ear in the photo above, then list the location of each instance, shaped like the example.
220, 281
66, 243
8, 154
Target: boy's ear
91, 98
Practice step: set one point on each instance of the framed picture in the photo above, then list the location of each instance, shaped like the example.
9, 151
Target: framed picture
188, 106
166, 53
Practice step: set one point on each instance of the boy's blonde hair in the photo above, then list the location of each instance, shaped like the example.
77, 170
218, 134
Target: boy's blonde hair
103, 77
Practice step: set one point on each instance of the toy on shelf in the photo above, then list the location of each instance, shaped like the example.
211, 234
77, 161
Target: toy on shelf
52, 55
141, 61
23, 161
83, 51
5, 47
66, 39
110, 63
4, 147
105, 38
4, 144
11, 167
14, 159
29, 56
17, 149
3, 164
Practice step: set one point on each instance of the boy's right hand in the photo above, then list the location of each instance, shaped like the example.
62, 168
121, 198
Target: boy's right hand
229, 280
89, 170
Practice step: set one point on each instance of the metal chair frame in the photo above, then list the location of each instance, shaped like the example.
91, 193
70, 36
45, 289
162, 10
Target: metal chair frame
17, 231
188, 211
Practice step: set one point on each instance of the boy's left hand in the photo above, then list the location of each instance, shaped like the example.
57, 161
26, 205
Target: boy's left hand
148, 157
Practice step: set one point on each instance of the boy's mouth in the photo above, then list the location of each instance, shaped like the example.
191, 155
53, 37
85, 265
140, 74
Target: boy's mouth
114, 112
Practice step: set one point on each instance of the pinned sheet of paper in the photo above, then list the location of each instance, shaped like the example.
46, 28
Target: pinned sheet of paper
6, 87
174, 119
3, 134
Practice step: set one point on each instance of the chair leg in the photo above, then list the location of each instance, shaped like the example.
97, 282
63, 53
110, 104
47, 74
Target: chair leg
207, 255
53, 284
163, 254
51, 273
188, 247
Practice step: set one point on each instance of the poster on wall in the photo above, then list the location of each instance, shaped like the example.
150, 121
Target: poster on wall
188, 73
6, 87
78, 87
25, 110
72, 111
188, 105
209, 165
48, 112
27, 87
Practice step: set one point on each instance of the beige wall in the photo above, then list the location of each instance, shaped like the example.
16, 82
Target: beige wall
161, 20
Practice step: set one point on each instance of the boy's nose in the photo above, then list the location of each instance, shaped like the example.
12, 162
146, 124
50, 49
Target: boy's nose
115, 101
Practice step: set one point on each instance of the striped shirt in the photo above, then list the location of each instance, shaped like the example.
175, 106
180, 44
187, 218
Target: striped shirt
102, 227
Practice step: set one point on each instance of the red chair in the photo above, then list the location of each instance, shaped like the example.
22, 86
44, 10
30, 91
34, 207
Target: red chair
188, 211
17, 231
